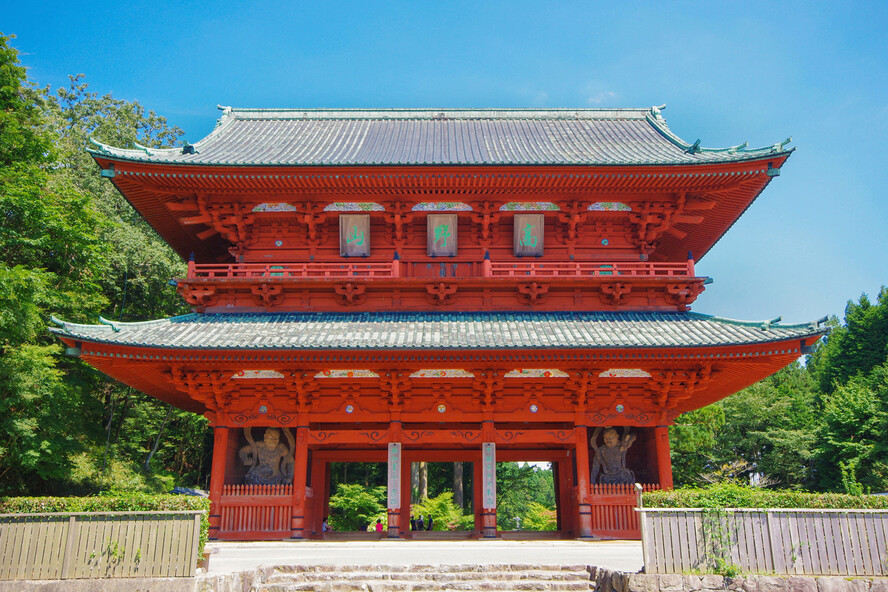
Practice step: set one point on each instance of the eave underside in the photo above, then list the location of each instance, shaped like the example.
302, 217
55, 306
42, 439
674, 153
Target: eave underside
566, 385
729, 187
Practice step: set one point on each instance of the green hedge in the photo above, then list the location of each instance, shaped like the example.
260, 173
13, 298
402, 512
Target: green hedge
737, 496
137, 502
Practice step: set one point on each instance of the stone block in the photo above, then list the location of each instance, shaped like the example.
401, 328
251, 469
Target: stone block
802, 584
643, 583
619, 582
750, 585
879, 585
859, 585
713, 582
833, 584
735, 583
693, 583
671, 582
772, 584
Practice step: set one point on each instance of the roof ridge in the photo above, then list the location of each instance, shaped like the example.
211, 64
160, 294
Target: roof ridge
441, 113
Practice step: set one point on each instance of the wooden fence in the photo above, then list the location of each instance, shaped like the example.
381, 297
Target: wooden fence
613, 510
781, 541
76, 545
255, 512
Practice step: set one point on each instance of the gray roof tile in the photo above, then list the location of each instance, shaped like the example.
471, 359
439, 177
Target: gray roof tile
441, 137
586, 330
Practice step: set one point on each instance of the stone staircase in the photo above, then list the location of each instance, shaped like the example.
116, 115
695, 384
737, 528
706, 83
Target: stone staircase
426, 578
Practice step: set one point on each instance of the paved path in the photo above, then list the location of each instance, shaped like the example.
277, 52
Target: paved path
620, 555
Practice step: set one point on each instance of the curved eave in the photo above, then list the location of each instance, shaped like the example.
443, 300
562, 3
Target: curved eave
465, 332
136, 156
733, 186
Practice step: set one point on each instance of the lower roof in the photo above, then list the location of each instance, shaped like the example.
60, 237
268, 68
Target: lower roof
449, 331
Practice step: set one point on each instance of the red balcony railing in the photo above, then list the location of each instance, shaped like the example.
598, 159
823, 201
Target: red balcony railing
463, 269
587, 269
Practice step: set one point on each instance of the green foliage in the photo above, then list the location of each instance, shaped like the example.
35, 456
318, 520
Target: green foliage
731, 495
117, 503
693, 438
853, 452
354, 507
445, 514
521, 487
766, 432
22, 137
855, 347
539, 518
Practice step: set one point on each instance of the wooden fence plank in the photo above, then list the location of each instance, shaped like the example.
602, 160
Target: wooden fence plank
837, 543
881, 521
873, 543
864, 545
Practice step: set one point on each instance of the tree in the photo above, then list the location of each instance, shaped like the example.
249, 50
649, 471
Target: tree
770, 426
852, 446
23, 138
855, 347
519, 486
693, 441
354, 507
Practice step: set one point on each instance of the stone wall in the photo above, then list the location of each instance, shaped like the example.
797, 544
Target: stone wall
616, 581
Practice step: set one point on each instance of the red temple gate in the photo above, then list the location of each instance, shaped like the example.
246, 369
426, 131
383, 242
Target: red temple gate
403, 285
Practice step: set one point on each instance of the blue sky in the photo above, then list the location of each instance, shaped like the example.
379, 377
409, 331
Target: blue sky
729, 72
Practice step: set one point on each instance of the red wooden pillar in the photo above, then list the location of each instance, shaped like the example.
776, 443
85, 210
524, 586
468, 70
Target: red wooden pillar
584, 517
565, 505
327, 482
318, 472
406, 492
300, 472
217, 478
664, 460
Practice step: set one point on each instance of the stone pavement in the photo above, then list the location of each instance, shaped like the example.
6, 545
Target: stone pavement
617, 555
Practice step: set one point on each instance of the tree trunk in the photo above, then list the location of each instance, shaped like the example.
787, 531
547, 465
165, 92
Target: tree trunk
423, 480
157, 439
108, 434
414, 481
458, 484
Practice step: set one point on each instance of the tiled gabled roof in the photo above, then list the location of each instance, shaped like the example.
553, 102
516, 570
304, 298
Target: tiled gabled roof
346, 137
400, 331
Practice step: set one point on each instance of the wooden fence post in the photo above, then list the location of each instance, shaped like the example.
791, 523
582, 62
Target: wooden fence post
68, 553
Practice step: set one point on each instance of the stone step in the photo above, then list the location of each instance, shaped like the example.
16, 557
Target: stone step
429, 575
428, 578
369, 585
453, 568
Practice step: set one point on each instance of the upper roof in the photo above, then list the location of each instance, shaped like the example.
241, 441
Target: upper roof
399, 331
355, 137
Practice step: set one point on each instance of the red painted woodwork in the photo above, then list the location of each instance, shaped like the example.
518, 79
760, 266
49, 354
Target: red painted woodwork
639, 257
664, 459
200, 209
255, 512
613, 510
456, 286
300, 471
217, 478
584, 510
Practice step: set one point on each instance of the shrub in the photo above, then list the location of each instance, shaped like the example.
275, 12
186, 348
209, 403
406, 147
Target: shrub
730, 495
355, 507
445, 514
